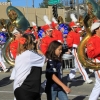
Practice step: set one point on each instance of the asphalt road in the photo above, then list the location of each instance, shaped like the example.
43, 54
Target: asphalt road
79, 89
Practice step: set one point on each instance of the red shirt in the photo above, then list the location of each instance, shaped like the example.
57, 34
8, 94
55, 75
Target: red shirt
36, 35
28, 31
73, 39
57, 35
13, 47
45, 41
93, 47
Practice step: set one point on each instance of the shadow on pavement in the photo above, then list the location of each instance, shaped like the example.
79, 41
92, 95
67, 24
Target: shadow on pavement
5, 81
76, 83
79, 98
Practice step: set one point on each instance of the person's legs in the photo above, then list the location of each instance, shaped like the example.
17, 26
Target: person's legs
51, 95
79, 66
22, 94
96, 89
62, 95
2, 65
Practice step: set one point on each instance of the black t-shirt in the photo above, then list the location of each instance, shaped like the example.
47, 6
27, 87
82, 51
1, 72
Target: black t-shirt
53, 67
33, 80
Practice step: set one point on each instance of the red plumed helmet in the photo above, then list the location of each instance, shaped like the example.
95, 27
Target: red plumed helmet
72, 24
46, 27
54, 23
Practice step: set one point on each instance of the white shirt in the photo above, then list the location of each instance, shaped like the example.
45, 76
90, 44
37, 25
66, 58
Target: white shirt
23, 64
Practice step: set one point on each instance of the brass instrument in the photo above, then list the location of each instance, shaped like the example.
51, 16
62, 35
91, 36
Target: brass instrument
16, 19
87, 21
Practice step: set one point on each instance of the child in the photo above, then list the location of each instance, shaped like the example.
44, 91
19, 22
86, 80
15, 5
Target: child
28, 68
54, 85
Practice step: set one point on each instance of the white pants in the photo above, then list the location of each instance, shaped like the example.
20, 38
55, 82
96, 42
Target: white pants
96, 89
1, 61
78, 66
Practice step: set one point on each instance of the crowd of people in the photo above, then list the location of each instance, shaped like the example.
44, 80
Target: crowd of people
47, 45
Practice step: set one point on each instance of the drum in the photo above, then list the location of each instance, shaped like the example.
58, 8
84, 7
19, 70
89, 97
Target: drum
68, 61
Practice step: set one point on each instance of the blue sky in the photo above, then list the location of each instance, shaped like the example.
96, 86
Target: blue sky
28, 3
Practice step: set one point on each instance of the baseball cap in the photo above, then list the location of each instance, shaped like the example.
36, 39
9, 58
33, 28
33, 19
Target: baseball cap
95, 26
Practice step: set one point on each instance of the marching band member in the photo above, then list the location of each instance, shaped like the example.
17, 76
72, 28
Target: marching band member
73, 40
2, 41
45, 41
28, 31
35, 30
65, 30
56, 33
14, 46
93, 52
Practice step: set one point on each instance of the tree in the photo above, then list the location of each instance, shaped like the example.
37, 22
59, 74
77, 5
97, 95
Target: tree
8, 1
44, 4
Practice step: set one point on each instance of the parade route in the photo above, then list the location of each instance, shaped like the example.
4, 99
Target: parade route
79, 89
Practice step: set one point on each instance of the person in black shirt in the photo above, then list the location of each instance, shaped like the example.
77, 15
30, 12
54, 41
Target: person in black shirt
54, 85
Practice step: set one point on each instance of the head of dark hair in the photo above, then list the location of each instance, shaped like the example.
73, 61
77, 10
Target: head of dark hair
50, 54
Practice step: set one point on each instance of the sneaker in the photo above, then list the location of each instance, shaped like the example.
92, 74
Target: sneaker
89, 81
91, 70
11, 78
5, 70
43, 85
71, 80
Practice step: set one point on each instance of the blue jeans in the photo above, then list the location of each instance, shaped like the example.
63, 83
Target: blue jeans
53, 94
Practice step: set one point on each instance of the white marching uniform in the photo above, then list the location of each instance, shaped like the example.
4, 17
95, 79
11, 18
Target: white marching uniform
93, 52
73, 40
78, 66
96, 89
1, 61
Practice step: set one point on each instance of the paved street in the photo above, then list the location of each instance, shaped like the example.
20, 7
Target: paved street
79, 89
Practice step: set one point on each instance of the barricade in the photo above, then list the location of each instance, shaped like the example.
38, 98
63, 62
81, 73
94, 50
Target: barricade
68, 61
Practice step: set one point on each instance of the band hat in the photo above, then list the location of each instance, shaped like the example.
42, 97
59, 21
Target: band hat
47, 21
72, 24
73, 18
34, 25
46, 27
95, 26
3, 29
54, 23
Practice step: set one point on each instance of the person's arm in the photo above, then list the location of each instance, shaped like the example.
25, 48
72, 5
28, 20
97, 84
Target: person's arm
56, 80
38, 49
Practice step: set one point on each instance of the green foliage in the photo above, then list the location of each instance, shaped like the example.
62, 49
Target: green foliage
8, 1
44, 4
